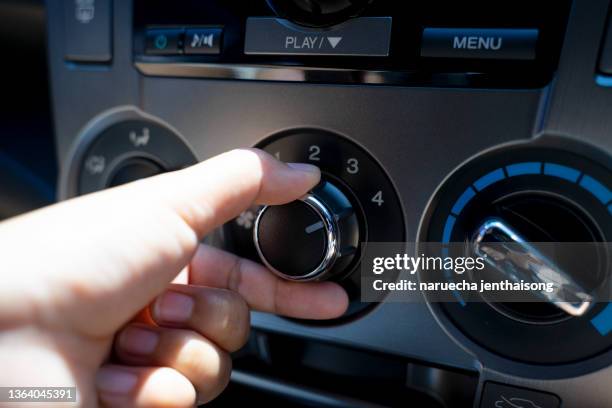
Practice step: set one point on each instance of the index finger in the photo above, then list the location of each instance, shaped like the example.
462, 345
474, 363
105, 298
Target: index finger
222, 187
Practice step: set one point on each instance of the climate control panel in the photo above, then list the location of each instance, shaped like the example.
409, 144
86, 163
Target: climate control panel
445, 134
322, 235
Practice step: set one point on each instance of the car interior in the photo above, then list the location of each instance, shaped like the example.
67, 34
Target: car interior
431, 121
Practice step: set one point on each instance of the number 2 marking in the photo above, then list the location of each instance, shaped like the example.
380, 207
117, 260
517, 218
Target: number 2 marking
314, 153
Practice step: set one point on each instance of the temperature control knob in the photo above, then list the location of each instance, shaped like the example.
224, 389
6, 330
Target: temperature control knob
536, 213
314, 238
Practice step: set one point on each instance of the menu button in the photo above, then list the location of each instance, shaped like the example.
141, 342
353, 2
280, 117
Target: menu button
480, 43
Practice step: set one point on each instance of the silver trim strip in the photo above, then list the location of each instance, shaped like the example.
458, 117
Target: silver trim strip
257, 72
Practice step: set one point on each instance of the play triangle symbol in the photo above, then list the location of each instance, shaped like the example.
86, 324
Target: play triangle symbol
334, 41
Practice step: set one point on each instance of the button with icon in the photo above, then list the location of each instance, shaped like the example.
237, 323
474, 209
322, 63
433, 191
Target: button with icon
203, 41
505, 396
163, 41
88, 31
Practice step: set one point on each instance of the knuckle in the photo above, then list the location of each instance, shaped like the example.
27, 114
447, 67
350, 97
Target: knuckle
223, 316
234, 320
214, 383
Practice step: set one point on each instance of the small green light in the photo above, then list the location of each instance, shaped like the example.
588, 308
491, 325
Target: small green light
161, 42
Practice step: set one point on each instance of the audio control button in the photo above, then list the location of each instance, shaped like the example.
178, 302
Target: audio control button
364, 36
165, 41
203, 41
480, 43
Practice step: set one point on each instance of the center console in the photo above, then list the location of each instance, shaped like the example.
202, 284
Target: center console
427, 119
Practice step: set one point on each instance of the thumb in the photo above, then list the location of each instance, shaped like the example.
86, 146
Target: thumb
95, 261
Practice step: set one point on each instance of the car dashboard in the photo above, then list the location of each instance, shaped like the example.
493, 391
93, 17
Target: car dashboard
427, 116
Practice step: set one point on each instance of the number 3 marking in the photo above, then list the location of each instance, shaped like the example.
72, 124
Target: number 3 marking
353, 166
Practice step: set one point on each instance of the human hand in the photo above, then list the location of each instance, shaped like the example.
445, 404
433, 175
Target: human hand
75, 275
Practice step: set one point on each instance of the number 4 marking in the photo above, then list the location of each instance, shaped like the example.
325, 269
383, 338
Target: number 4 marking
378, 199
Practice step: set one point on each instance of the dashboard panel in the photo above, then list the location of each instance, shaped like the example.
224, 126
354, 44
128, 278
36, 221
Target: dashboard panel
423, 115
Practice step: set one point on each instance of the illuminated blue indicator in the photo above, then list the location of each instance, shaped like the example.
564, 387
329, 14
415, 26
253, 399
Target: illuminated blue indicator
448, 229
520, 169
597, 189
602, 80
463, 200
564, 172
603, 321
491, 178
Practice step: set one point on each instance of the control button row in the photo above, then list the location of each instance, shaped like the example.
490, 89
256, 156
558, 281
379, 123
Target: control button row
371, 37
363, 36
177, 41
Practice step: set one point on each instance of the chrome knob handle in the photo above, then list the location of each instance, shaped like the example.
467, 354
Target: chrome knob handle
511, 255
313, 238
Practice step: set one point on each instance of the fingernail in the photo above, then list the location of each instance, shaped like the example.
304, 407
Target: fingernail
173, 307
137, 340
114, 380
306, 168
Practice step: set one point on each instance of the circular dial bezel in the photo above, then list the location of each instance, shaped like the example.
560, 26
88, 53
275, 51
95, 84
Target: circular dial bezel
487, 323
357, 174
71, 175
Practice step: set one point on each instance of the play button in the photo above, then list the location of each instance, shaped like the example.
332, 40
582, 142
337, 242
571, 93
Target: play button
334, 41
358, 37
